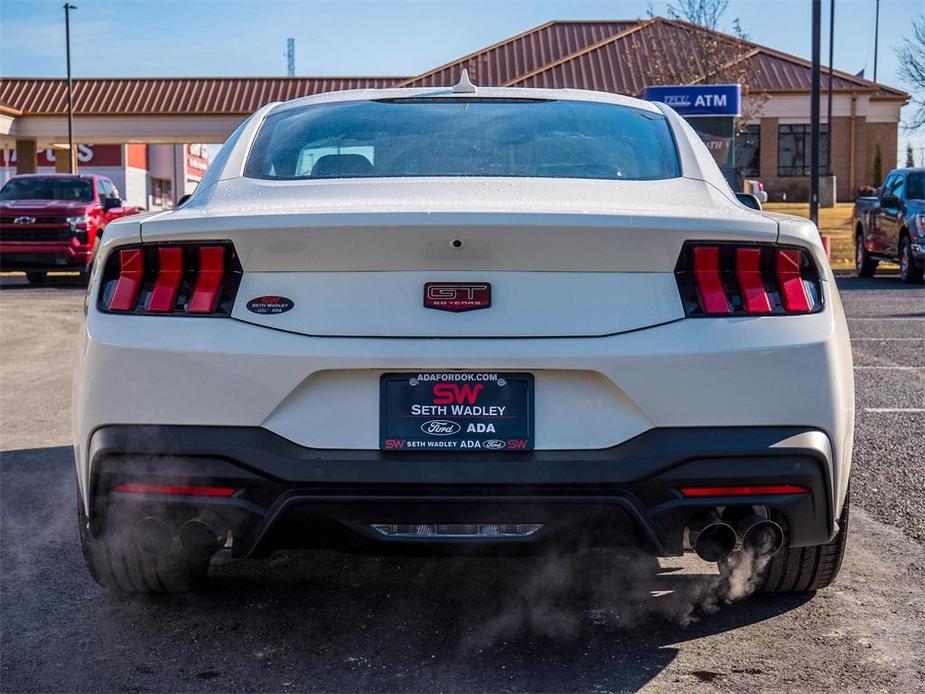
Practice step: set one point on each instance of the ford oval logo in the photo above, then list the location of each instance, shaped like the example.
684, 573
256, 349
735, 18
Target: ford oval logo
440, 427
494, 443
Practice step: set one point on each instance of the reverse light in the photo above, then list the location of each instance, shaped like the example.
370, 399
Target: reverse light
747, 490
733, 279
174, 489
198, 279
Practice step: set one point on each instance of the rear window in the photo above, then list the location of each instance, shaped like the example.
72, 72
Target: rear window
464, 137
50, 188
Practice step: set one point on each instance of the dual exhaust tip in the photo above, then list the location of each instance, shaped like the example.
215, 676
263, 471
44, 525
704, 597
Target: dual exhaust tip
197, 537
714, 538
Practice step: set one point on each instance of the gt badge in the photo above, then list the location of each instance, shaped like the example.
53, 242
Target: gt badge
270, 304
457, 296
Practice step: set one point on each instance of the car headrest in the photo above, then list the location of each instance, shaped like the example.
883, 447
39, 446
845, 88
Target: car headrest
337, 165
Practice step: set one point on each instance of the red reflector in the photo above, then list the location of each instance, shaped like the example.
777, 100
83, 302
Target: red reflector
792, 291
709, 283
209, 282
755, 490
164, 295
173, 489
748, 272
131, 270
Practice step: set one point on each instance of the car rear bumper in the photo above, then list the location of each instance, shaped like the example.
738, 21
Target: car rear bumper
292, 496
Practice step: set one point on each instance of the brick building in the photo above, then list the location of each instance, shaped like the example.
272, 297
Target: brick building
615, 56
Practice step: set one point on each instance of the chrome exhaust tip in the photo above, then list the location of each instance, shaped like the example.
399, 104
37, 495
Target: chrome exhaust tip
764, 537
152, 536
711, 538
756, 534
199, 538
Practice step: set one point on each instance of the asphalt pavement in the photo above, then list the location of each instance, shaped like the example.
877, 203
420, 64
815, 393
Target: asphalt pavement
607, 621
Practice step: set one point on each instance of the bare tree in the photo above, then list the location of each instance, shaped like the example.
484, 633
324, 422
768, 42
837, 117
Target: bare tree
911, 56
706, 13
701, 54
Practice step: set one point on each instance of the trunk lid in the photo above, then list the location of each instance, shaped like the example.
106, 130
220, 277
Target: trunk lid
563, 257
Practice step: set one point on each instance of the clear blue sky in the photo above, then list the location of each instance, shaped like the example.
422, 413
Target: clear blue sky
378, 37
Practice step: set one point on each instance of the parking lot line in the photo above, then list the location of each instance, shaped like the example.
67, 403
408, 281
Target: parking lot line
905, 410
889, 368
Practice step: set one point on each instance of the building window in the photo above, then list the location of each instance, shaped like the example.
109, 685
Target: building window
748, 152
793, 149
160, 192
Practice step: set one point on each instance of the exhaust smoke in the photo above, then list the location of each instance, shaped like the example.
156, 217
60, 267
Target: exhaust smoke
199, 538
152, 536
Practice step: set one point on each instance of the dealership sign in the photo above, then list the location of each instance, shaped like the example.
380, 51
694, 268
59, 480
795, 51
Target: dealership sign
87, 155
698, 100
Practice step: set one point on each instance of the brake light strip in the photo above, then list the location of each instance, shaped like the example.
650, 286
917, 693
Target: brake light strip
709, 282
209, 282
164, 295
131, 270
748, 273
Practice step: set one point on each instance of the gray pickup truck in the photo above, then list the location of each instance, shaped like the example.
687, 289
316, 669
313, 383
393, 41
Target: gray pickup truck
891, 226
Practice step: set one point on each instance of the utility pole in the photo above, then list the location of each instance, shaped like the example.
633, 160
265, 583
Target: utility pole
828, 120
814, 116
876, 38
72, 160
290, 57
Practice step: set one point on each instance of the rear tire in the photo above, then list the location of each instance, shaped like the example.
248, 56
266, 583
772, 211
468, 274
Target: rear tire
36, 277
908, 272
805, 569
863, 263
116, 563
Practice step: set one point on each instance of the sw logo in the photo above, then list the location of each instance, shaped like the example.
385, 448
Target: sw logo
455, 394
457, 296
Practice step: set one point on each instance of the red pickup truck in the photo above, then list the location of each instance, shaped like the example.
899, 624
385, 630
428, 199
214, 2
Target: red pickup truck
52, 222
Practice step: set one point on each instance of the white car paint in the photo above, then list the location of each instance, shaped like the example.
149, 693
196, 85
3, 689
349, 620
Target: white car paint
586, 266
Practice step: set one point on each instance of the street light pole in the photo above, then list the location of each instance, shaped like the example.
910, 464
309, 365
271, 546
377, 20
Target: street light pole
72, 164
814, 116
828, 120
876, 37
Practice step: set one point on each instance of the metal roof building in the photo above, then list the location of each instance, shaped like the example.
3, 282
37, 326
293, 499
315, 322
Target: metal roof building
616, 56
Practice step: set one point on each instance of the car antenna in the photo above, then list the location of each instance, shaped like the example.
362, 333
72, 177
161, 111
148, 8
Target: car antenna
464, 86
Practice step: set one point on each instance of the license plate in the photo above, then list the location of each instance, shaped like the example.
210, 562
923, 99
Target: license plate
456, 411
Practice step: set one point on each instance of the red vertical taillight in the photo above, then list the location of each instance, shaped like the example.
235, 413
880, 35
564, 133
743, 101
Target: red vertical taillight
747, 279
751, 283
128, 284
709, 280
792, 289
180, 278
209, 280
169, 274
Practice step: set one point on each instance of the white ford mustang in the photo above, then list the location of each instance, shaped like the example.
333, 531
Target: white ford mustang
462, 318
